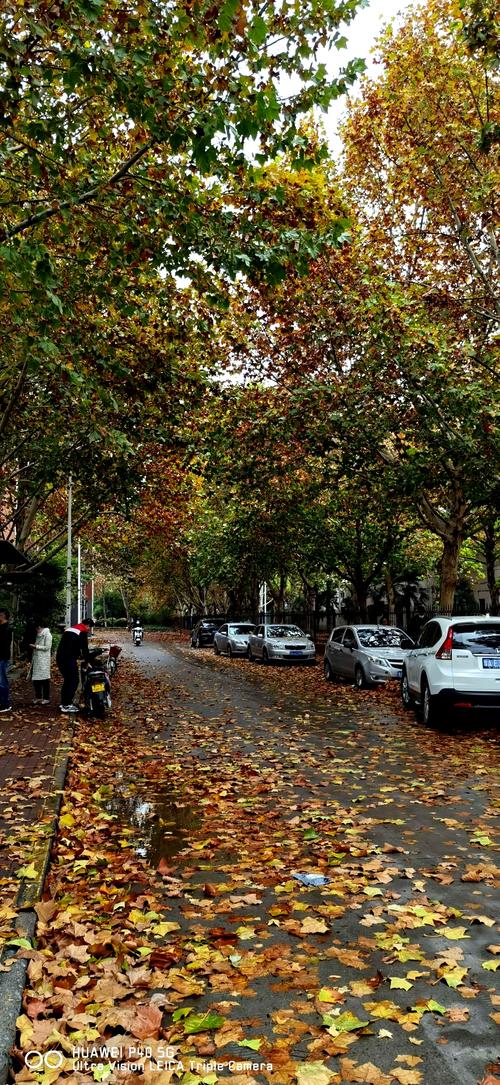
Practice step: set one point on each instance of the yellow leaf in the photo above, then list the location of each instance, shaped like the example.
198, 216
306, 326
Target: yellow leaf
313, 1073
310, 925
398, 984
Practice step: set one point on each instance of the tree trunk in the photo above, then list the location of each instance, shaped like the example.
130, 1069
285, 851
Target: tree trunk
280, 599
360, 596
490, 555
389, 590
451, 528
254, 600
449, 571
310, 603
125, 603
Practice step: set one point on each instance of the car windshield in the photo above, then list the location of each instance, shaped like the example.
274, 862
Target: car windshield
237, 630
478, 639
210, 625
384, 636
284, 631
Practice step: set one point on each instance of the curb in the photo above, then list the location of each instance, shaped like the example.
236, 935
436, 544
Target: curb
12, 983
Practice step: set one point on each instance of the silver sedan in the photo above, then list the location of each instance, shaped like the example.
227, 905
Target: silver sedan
366, 654
281, 642
232, 639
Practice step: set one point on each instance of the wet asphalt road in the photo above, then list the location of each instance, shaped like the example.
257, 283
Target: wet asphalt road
397, 786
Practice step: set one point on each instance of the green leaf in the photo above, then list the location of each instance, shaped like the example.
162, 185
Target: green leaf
28, 871
345, 1022
182, 1012
254, 1045
101, 1072
202, 1022
258, 30
227, 14
435, 1007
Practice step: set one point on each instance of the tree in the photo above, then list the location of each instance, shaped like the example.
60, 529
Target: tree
125, 164
402, 318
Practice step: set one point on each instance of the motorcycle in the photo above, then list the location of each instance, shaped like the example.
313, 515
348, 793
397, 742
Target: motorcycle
111, 658
96, 685
137, 635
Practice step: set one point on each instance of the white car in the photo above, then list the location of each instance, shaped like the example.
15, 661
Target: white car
284, 642
232, 639
455, 664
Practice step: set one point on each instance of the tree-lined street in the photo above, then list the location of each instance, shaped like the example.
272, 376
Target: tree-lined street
248, 377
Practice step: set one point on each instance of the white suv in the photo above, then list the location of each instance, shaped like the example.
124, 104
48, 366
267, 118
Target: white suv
455, 664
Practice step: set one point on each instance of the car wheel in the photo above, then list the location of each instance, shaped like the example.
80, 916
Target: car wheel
230, 652
327, 671
250, 655
198, 642
359, 678
265, 657
428, 705
216, 649
406, 694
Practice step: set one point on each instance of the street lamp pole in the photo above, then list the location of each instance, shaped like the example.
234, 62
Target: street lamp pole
69, 554
79, 583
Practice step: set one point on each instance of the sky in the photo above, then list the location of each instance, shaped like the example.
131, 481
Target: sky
361, 35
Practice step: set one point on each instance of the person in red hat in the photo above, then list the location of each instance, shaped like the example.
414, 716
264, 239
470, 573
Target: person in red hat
73, 646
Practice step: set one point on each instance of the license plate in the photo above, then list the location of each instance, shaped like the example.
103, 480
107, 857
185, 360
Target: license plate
398, 674
491, 664
99, 687
296, 653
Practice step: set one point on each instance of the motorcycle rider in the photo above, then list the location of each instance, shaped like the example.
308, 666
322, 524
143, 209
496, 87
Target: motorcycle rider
73, 646
137, 630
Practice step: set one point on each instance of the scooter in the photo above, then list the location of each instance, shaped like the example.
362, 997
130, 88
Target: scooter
137, 635
96, 685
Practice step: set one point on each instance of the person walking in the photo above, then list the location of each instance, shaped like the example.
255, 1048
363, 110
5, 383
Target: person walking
73, 646
5, 650
40, 663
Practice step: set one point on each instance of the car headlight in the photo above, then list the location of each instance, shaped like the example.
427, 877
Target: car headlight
377, 659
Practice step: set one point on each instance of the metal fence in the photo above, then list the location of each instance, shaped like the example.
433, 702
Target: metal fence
319, 623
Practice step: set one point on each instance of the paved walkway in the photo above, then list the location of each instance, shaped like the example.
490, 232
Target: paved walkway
29, 738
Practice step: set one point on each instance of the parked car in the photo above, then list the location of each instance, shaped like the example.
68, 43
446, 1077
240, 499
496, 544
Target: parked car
232, 639
455, 664
366, 654
285, 642
203, 632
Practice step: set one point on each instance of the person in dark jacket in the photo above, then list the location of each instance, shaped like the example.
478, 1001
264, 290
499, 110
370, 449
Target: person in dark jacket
5, 649
73, 646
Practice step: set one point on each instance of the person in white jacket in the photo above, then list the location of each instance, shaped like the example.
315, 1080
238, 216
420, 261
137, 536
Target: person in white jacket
40, 664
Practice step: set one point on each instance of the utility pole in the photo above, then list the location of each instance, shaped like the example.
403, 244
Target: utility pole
69, 555
263, 601
79, 583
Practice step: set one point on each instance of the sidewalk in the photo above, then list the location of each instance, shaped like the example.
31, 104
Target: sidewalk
29, 738
34, 749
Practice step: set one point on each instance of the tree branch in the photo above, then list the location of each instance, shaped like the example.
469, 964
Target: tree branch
34, 220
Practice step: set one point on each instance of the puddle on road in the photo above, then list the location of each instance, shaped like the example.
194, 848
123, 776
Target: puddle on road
162, 820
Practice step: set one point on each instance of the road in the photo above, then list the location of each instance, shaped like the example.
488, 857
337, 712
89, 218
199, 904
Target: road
295, 776
173, 912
